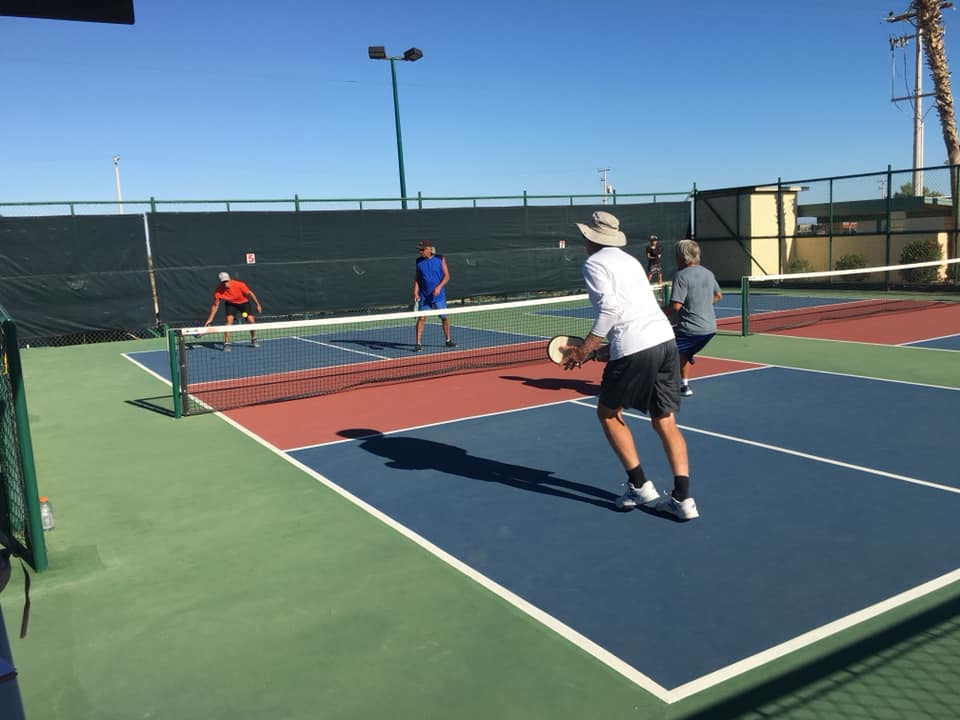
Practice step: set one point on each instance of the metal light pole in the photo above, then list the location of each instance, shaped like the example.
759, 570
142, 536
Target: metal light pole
603, 182
116, 176
377, 52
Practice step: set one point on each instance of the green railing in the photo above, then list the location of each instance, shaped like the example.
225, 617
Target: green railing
298, 203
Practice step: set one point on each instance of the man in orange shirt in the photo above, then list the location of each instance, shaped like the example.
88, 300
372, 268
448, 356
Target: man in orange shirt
236, 297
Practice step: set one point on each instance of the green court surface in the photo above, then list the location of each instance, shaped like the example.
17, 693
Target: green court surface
196, 574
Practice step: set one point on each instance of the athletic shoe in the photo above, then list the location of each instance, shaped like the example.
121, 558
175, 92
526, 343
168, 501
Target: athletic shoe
417, 347
451, 343
226, 347
686, 390
682, 510
646, 494
254, 344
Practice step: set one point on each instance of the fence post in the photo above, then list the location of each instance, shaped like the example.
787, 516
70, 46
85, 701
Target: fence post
693, 211
886, 254
744, 306
296, 202
419, 200
830, 233
955, 201
781, 239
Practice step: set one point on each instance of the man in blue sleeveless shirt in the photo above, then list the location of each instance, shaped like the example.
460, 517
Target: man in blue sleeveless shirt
428, 294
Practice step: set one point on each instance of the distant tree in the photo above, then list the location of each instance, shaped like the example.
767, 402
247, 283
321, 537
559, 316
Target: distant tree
906, 190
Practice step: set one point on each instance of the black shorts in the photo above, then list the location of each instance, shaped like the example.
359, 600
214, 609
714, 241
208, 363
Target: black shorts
234, 309
648, 381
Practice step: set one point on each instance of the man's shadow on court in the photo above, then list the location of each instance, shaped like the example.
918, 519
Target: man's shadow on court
407, 453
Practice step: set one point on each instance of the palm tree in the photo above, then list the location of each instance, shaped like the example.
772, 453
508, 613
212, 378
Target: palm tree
930, 24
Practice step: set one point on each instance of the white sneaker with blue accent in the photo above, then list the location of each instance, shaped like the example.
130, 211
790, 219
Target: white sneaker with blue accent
646, 494
680, 509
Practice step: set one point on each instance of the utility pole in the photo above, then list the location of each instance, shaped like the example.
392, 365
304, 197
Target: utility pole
116, 176
917, 96
603, 182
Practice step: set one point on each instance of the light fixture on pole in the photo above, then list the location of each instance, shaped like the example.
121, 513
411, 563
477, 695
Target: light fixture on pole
116, 176
377, 52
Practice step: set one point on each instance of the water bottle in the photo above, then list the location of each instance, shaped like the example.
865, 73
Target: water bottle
46, 514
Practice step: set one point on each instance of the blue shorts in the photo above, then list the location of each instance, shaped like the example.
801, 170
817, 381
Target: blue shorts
690, 345
433, 303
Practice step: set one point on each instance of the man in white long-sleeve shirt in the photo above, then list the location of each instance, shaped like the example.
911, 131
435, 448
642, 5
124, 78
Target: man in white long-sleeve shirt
643, 368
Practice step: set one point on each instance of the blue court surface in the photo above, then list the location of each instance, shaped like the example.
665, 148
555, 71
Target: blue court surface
207, 362
947, 342
821, 495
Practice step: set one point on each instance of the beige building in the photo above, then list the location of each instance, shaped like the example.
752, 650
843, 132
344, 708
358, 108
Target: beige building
760, 231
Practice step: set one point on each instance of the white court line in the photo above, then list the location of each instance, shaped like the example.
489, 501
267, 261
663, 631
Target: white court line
862, 342
565, 631
809, 638
797, 453
340, 347
607, 658
764, 366
868, 377
146, 369
435, 424
939, 337
665, 695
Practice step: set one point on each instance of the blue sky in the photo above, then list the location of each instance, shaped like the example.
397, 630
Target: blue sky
214, 99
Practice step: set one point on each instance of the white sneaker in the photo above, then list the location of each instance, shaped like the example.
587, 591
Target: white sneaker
680, 509
646, 494
686, 390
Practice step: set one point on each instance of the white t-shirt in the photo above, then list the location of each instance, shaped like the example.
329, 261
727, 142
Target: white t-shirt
628, 314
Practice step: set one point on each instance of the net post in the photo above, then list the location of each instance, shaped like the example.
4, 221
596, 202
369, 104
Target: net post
744, 305
175, 383
25, 445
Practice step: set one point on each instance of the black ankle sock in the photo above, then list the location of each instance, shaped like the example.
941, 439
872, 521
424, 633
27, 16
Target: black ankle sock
681, 487
637, 478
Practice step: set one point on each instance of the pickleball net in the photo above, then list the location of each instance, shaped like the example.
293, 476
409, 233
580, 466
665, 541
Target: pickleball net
771, 303
300, 359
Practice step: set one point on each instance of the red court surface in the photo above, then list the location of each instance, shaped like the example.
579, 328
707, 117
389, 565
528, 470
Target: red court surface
892, 328
384, 408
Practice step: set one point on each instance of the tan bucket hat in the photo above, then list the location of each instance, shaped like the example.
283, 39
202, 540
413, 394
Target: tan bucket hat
604, 229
